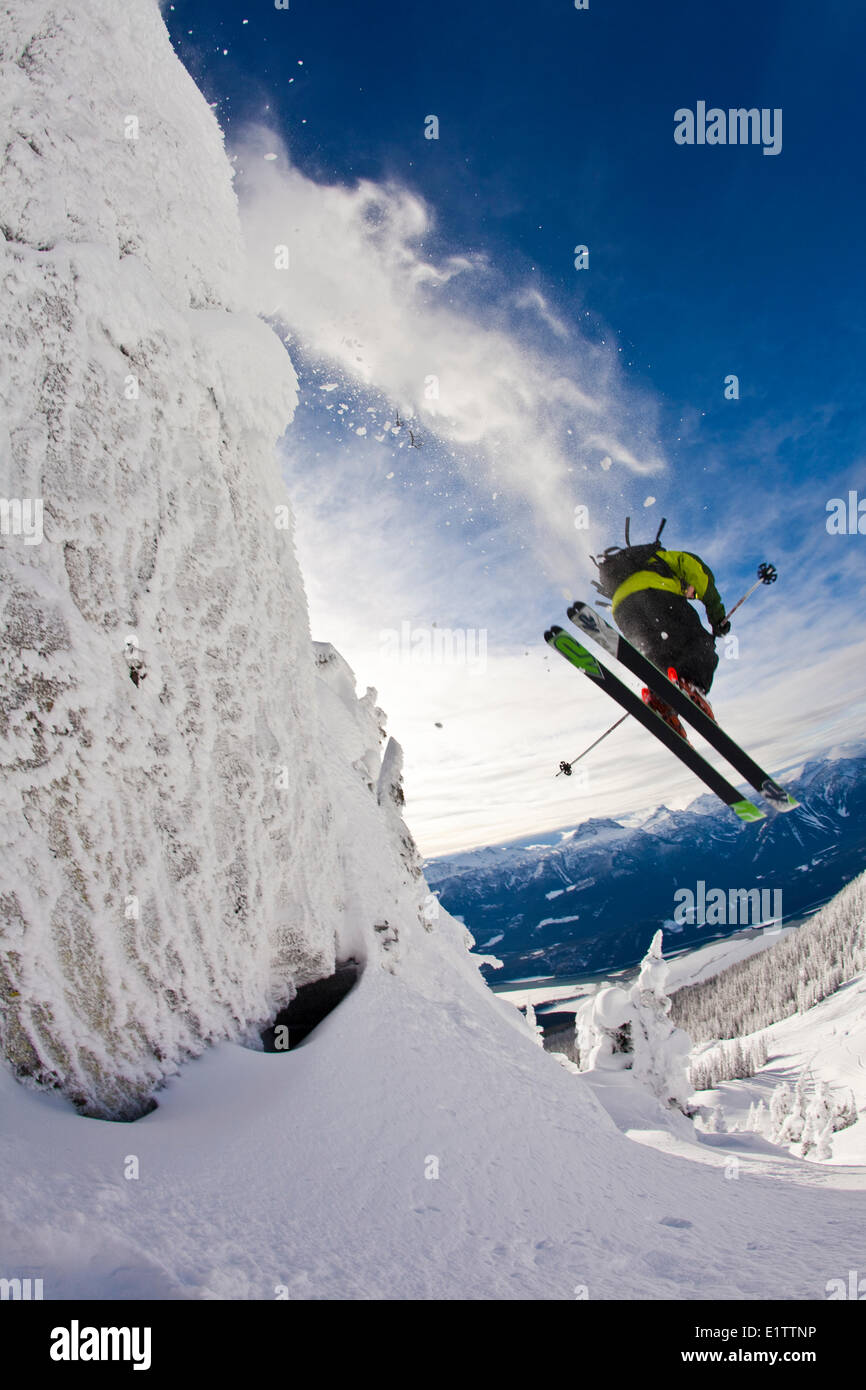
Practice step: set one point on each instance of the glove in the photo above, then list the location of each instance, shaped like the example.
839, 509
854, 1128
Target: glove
722, 628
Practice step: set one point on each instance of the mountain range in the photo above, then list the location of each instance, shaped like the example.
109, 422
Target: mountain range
590, 897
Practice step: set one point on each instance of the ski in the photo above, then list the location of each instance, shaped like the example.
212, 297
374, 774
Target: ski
584, 616
583, 659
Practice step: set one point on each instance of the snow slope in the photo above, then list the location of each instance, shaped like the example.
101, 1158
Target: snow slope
826, 1043
309, 1171
805, 1045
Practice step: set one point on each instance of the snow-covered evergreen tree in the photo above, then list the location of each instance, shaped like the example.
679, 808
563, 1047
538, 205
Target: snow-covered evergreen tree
603, 1031
661, 1050
845, 1111
804, 1122
729, 1061
793, 1124
631, 1029
818, 1126
780, 1108
532, 1024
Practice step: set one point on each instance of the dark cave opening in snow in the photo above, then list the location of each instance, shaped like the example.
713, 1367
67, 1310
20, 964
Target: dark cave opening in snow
311, 1004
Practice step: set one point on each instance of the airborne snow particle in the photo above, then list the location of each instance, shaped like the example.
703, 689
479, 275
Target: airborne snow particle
606, 462
649, 501
269, 156
362, 429
389, 475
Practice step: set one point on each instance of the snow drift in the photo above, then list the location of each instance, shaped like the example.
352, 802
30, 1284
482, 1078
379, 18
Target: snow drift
176, 852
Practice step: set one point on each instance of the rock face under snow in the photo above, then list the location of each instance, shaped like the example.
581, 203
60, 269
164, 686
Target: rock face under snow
173, 833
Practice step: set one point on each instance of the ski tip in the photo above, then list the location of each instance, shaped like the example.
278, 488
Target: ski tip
584, 616
747, 810
777, 797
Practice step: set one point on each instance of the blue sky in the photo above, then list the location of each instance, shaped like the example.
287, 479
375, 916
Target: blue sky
453, 259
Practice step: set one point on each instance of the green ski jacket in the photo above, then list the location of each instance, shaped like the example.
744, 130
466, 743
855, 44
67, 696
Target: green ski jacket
687, 569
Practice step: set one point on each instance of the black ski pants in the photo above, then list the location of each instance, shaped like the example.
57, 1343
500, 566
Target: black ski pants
666, 628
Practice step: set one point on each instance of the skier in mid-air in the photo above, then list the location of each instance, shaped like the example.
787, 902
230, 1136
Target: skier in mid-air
650, 588
663, 642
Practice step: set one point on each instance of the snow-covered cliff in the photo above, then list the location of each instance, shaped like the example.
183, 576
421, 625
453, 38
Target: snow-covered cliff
184, 837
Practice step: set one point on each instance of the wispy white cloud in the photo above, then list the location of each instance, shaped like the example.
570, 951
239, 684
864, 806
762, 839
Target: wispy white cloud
364, 291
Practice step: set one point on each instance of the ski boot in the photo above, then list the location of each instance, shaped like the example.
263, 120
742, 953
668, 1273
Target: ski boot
694, 692
667, 714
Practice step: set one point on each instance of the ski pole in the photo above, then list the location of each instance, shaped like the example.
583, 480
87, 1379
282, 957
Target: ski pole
566, 767
766, 575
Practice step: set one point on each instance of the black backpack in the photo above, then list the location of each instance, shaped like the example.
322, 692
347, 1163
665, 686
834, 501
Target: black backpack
618, 563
